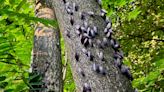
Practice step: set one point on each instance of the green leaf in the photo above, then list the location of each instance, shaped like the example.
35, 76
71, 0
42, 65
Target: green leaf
8, 62
35, 77
122, 3
21, 4
3, 84
160, 63
160, 83
138, 82
11, 1
27, 17
36, 83
9, 90
2, 78
151, 78
4, 45
133, 14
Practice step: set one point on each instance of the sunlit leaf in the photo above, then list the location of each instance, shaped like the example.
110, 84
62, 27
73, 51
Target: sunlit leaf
133, 14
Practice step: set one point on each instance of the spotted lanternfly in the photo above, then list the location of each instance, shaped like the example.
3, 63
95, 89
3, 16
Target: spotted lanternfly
89, 33
84, 51
105, 31
69, 11
109, 25
95, 30
68, 8
109, 35
95, 68
118, 62
77, 27
76, 8
102, 70
90, 13
85, 35
77, 56
71, 20
110, 30
82, 14
117, 55
86, 42
91, 57
103, 13
114, 44
88, 29
83, 29
105, 41
85, 24
78, 32
121, 53
92, 33
125, 71
73, 6
88, 54
81, 72
101, 56
82, 39
86, 88
67, 33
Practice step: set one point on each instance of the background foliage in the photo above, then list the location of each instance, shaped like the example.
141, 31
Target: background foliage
16, 34
138, 25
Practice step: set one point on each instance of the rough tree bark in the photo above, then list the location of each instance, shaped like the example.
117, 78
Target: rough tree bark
108, 78
46, 52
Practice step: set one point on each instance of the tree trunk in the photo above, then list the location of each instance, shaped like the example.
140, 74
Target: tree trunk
91, 54
46, 52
